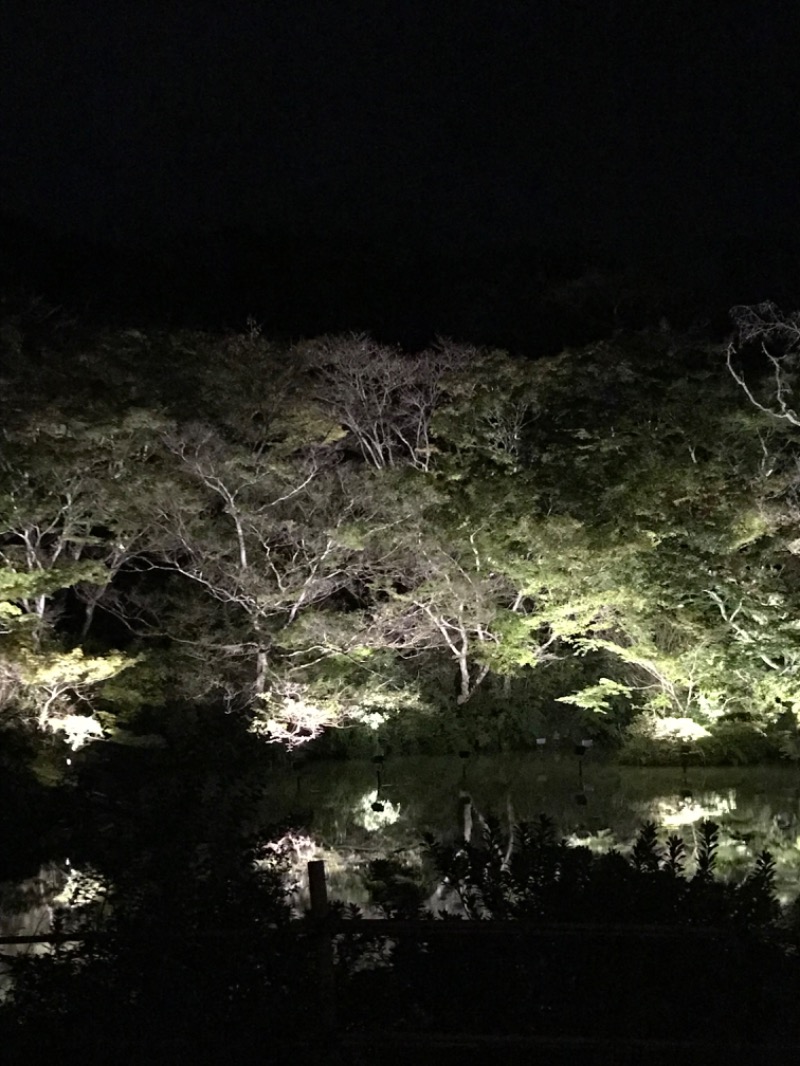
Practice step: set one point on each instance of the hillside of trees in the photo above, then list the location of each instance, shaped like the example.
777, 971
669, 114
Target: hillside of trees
347, 543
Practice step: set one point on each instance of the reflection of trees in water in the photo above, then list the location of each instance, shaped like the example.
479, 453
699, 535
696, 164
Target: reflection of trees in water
755, 809
26, 909
332, 817
347, 867
747, 827
675, 811
29, 907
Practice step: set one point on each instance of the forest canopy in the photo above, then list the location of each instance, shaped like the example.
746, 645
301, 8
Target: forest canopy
454, 547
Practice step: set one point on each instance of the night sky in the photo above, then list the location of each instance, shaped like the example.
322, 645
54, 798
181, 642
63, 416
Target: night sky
639, 132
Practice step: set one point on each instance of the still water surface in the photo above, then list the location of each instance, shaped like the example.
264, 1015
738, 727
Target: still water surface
349, 813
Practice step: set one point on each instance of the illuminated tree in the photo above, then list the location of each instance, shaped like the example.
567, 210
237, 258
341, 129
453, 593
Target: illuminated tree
777, 335
67, 527
340, 531
385, 399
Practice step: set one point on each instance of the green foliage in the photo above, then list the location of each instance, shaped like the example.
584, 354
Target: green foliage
656, 740
597, 697
408, 542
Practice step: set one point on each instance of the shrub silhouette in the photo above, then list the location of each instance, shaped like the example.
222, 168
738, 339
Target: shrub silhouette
529, 873
156, 970
562, 962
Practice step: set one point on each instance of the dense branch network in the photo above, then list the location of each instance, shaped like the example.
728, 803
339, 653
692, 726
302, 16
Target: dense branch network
384, 533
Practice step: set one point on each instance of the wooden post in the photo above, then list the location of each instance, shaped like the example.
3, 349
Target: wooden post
318, 890
326, 982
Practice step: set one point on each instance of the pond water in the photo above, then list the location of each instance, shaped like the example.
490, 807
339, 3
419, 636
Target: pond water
349, 813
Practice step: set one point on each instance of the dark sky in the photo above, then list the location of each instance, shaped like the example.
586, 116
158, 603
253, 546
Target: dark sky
629, 121
649, 130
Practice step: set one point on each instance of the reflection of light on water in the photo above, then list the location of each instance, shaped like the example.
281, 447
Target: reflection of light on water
80, 888
291, 853
374, 813
600, 843
672, 814
28, 907
742, 801
296, 848
345, 868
